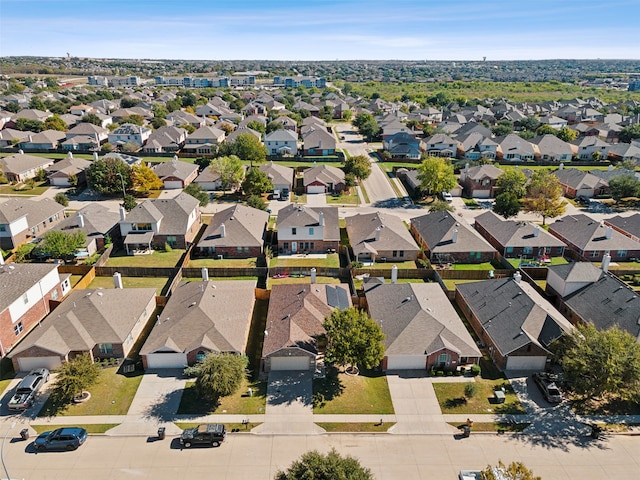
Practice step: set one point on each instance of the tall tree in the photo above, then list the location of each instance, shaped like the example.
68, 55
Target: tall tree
92, 118
28, 125
513, 471
367, 125
59, 244
248, 147
230, 171
256, 182
544, 196
353, 339
107, 175
507, 205
436, 175
75, 376
143, 179
220, 374
624, 186
359, 166
567, 134
196, 192
629, 133
55, 123
331, 466
512, 181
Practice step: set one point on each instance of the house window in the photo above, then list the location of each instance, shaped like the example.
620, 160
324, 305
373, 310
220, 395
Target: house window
443, 359
311, 231
239, 249
527, 250
18, 328
54, 294
171, 240
285, 245
25, 298
509, 250
595, 254
311, 246
394, 253
142, 227
105, 348
622, 253
3, 228
200, 356
294, 231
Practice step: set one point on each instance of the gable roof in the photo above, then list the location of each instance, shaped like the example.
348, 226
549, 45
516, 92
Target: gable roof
278, 174
178, 169
174, 213
579, 179
393, 235
243, 227
20, 162
281, 135
630, 225
17, 278
510, 233
324, 174
36, 211
298, 216
590, 235
436, 230
579, 272
98, 221
418, 319
483, 171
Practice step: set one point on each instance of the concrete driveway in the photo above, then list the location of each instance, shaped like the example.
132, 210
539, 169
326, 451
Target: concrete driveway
316, 199
159, 394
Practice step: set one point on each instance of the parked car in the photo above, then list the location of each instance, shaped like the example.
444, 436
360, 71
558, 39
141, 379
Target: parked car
28, 388
546, 382
285, 194
469, 475
68, 438
447, 197
212, 434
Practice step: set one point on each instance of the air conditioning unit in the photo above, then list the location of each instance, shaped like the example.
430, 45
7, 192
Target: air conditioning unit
220, 257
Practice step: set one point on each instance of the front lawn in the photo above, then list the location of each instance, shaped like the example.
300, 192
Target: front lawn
498, 427
22, 189
112, 394
451, 398
90, 428
131, 282
119, 258
355, 427
345, 199
223, 263
231, 427
338, 393
332, 261
4, 384
238, 403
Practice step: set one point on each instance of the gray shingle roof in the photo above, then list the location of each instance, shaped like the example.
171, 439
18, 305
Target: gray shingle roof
510, 233
181, 170
298, 216
577, 272
98, 221
172, 212
324, 174
278, 174
36, 211
393, 233
631, 224
590, 235
244, 227
436, 230
17, 278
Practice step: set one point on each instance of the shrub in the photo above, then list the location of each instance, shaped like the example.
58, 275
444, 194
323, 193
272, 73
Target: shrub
470, 390
167, 248
62, 199
475, 370
439, 373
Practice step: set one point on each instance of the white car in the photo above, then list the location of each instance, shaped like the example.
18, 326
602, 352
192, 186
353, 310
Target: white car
447, 197
469, 475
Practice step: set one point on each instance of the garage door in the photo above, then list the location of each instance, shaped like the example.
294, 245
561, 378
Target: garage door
172, 185
526, 363
315, 189
166, 360
407, 362
27, 364
289, 363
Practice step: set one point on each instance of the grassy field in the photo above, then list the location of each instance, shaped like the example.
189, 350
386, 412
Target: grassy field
90, 428
355, 427
344, 394
132, 282
238, 403
119, 258
474, 266
451, 398
332, 261
346, 199
515, 262
39, 189
301, 280
112, 394
223, 263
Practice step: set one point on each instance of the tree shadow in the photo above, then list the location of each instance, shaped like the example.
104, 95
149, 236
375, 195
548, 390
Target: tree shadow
328, 388
455, 402
165, 408
287, 388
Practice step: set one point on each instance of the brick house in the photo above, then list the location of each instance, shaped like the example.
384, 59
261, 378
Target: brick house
304, 229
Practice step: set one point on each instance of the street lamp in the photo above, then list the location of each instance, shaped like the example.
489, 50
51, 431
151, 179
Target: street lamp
124, 192
2, 449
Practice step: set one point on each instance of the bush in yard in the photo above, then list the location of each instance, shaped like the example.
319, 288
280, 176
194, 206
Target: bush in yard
475, 370
219, 375
75, 376
330, 466
62, 199
470, 390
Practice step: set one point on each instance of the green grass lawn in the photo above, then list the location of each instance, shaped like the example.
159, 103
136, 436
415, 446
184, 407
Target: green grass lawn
346, 199
112, 394
389, 265
338, 393
132, 282
332, 261
474, 266
355, 427
217, 279
451, 395
388, 166
4, 384
493, 426
364, 193
621, 265
302, 280
90, 428
515, 262
230, 427
39, 189
224, 263
120, 258
238, 403
451, 283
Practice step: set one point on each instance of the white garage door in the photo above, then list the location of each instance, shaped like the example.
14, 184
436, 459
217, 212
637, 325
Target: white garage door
27, 364
166, 360
526, 363
172, 185
289, 363
407, 362
315, 189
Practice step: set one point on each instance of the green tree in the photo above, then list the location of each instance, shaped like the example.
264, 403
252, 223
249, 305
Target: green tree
134, 119
158, 122
331, 466
129, 202
436, 175
130, 147
546, 129
544, 196
74, 377
256, 201
230, 171
273, 126
144, 179
359, 166
441, 206
55, 123
367, 125
629, 133
27, 125
353, 339
566, 134
196, 192
62, 199
530, 124
92, 118
512, 181
256, 182
504, 127
220, 375
513, 471
507, 204
249, 148
257, 126
107, 174
24, 251
127, 102
106, 147
59, 244
624, 186
188, 127
159, 110
602, 364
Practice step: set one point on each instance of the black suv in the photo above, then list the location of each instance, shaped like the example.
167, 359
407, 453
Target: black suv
206, 434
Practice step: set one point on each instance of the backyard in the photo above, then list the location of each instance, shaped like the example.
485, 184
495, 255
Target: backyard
157, 258
332, 260
132, 282
223, 263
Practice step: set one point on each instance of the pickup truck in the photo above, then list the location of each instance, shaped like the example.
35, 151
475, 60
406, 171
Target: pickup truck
28, 388
546, 382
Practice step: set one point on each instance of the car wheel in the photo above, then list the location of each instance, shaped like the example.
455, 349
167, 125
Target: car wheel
215, 443
71, 447
41, 448
187, 444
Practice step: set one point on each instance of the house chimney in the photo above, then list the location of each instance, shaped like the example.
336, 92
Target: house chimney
313, 275
223, 230
466, 167
20, 152
606, 260
205, 274
123, 213
117, 280
610, 168
175, 158
561, 166
517, 277
30, 138
95, 156
80, 220
608, 232
394, 274
536, 231
377, 234
454, 239
70, 155
321, 219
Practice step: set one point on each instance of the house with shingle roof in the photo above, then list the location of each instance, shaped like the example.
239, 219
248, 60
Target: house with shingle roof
515, 239
60, 173
446, 238
579, 183
22, 219
166, 139
201, 318
295, 321
323, 179
9, 137
306, 229
174, 221
45, 140
474, 146
204, 140
515, 322
103, 323
281, 177
176, 174
629, 226
514, 148
592, 239
422, 329
235, 232
99, 133
281, 142
563, 280
590, 147
19, 167
129, 133
380, 237
318, 142
97, 222
25, 292
404, 145
441, 145
480, 181
551, 148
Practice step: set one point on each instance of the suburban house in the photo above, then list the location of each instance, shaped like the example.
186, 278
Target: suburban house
200, 318
205, 140
281, 142
176, 174
60, 173
9, 136
208, 180
84, 129
319, 142
129, 133
180, 117
441, 145
103, 323
422, 329
480, 181
166, 139
235, 232
592, 240
22, 219
518, 239
474, 146
514, 148
380, 237
19, 167
564, 280
410, 180
578, 183
174, 221
323, 179
97, 222
287, 123
622, 152
295, 321
589, 148
281, 177
629, 226
128, 159
45, 140
233, 136
515, 322
551, 148
80, 142
404, 145
25, 292
305, 229
446, 238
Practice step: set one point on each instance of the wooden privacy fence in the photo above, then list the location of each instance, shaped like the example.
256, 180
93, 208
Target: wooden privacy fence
473, 274
423, 273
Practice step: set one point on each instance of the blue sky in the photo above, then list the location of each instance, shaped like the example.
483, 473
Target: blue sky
322, 29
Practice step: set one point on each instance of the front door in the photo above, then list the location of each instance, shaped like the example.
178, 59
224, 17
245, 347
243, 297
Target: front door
294, 247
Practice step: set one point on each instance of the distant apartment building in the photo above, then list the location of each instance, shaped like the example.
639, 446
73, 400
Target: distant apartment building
202, 82
294, 82
634, 86
100, 81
